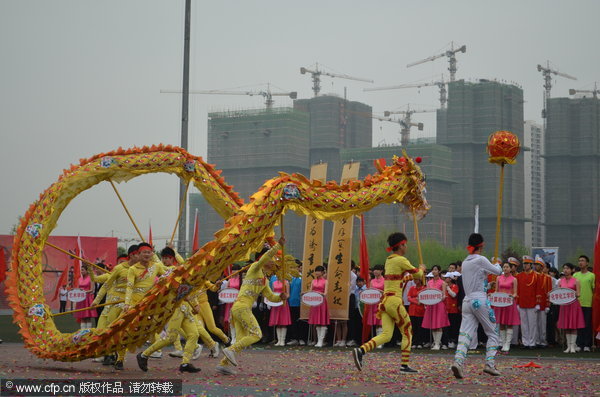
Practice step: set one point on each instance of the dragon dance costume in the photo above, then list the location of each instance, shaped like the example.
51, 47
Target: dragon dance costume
391, 308
247, 328
205, 313
140, 279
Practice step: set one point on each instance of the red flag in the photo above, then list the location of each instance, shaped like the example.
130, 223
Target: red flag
363, 252
2, 265
195, 242
76, 271
150, 236
61, 281
364, 273
596, 300
77, 264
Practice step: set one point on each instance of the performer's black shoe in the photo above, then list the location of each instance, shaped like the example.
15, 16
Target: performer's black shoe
119, 365
188, 368
406, 368
142, 362
358, 357
109, 360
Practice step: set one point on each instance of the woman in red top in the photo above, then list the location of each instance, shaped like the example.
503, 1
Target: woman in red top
454, 315
416, 311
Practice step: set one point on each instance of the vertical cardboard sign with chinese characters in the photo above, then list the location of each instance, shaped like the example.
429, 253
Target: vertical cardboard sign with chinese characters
340, 252
313, 241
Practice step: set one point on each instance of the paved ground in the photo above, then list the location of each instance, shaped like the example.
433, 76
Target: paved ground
266, 371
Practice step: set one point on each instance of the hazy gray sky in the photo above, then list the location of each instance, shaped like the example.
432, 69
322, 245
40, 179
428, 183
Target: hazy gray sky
82, 77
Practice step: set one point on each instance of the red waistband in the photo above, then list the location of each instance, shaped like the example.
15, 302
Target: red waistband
393, 277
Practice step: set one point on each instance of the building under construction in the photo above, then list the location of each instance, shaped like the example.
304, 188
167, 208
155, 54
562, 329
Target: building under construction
254, 145
475, 110
572, 162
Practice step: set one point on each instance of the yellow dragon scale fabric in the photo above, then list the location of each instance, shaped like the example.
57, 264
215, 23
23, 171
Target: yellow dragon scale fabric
247, 226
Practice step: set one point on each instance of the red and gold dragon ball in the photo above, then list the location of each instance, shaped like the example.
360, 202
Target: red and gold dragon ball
503, 147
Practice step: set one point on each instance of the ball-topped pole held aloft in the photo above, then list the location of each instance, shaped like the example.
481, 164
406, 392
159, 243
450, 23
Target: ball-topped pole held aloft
503, 148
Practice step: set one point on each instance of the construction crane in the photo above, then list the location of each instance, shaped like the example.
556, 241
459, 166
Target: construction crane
451, 54
405, 123
267, 94
441, 85
316, 77
594, 92
547, 73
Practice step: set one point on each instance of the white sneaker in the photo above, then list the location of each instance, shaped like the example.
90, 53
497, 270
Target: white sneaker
444, 347
577, 349
230, 354
342, 343
351, 343
176, 353
380, 347
587, 349
452, 345
293, 342
301, 343
156, 354
226, 370
197, 353
488, 369
312, 343
457, 371
435, 347
214, 352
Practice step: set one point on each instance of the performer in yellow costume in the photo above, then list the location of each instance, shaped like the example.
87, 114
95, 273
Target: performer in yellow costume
140, 278
184, 318
391, 307
113, 288
246, 326
169, 258
206, 318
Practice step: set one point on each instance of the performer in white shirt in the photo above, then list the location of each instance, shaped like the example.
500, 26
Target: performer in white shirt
476, 308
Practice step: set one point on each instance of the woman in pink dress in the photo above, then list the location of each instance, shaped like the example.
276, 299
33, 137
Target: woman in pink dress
570, 317
508, 316
85, 317
233, 282
280, 315
319, 315
436, 316
377, 282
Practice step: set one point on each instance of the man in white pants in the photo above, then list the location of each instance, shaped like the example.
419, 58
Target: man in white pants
476, 308
528, 290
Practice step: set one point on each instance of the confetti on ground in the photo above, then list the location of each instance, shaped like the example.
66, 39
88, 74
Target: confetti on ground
310, 372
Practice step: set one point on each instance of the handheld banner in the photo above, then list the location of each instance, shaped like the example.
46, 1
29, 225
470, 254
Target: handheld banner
430, 296
228, 295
